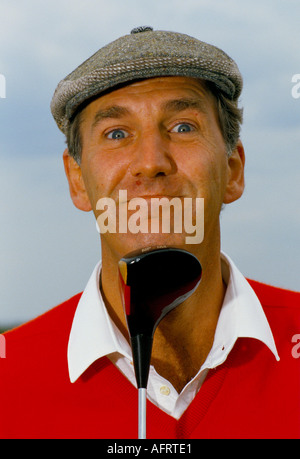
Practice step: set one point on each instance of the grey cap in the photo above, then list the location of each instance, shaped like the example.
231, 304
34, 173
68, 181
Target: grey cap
144, 53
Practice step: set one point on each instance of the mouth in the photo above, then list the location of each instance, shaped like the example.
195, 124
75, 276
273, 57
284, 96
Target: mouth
156, 196
147, 197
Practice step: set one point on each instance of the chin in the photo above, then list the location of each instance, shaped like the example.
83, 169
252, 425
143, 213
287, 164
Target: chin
122, 244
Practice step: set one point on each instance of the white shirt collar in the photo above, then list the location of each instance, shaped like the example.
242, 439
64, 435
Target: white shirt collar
94, 335
241, 316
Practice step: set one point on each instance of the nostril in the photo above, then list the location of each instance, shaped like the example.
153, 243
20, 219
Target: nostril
151, 162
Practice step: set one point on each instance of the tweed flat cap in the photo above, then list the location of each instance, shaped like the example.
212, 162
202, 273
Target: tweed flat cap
144, 53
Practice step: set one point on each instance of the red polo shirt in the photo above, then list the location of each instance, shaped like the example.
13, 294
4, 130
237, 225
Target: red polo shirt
249, 396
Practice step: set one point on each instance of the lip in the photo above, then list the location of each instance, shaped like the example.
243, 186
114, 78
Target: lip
159, 196
148, 197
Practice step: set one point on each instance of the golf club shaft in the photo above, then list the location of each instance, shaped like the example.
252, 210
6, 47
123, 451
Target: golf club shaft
152, 283
142, 413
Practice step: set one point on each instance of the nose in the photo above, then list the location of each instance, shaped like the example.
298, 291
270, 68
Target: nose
152, 157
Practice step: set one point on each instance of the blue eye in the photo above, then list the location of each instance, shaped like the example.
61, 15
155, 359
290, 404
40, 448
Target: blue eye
182, 127
117, 134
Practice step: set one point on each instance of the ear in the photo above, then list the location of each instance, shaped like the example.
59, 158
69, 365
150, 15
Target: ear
236, 180
77, 189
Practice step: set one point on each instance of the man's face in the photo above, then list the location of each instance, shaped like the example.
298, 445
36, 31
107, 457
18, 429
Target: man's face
154, 138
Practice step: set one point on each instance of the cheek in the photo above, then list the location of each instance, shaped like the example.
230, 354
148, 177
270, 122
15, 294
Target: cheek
208, 177
216, 182
101, 175
206, 170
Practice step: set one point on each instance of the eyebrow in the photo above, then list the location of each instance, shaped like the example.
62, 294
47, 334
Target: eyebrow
179, 105
114, 111
174, 105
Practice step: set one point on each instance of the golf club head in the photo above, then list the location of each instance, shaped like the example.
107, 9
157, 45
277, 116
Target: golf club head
153, 283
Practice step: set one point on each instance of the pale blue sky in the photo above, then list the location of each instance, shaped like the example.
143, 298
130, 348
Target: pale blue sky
49, 248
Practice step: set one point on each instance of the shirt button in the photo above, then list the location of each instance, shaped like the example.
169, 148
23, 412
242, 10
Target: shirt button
164, 390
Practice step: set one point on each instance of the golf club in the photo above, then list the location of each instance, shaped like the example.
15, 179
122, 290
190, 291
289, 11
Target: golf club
153, 283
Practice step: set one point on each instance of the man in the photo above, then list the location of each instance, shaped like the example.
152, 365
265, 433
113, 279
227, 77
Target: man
156, 114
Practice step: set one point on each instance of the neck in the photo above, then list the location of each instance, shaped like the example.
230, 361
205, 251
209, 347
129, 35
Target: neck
185, 336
